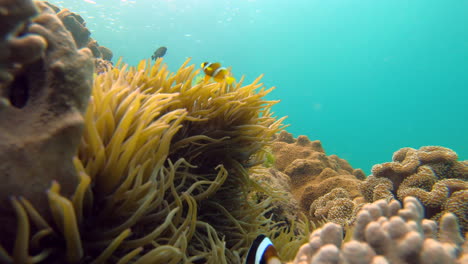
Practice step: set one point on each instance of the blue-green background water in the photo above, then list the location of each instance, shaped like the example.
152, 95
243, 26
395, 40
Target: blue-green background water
366, 77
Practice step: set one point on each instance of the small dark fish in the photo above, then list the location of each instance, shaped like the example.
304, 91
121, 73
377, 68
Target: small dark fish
159, 53
262, 251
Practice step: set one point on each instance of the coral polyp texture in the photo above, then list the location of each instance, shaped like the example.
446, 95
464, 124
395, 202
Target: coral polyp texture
432, 174
386, 233
314, 175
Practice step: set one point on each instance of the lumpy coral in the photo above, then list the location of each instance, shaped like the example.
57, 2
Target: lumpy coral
335, 206
313, 175
387, 233
17, 47
374, 188
41, 111
75, 23
406, 161
432, 174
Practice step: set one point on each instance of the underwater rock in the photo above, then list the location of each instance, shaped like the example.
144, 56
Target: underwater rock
41, 115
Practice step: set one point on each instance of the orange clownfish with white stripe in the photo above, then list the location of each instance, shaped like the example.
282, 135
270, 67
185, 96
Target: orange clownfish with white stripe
217, 72
262, 251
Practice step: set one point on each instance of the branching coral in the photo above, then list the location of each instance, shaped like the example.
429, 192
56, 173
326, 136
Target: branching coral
387, 233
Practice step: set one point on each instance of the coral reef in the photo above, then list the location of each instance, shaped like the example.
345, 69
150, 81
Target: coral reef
106, 53
374, 189
432, 174
41, 110
336, 206
163, 174
77, 26
313, 175
81, 34
162, 166
157, 168
387, 233
406, 161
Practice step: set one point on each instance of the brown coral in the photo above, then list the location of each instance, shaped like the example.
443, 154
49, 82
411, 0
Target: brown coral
313, 173
406, 161
431, 174
435, 197
458, 205
16, 47
41, 121
336, 207
387, 233
75, 23
325, 183
374, 188
106, 53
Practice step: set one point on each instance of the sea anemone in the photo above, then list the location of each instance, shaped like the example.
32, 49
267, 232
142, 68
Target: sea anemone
163, 168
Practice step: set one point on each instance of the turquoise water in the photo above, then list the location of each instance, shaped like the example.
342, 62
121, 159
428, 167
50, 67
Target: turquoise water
365, 77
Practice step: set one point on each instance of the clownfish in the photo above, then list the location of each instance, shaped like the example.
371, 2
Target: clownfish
262, 251
217, 72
